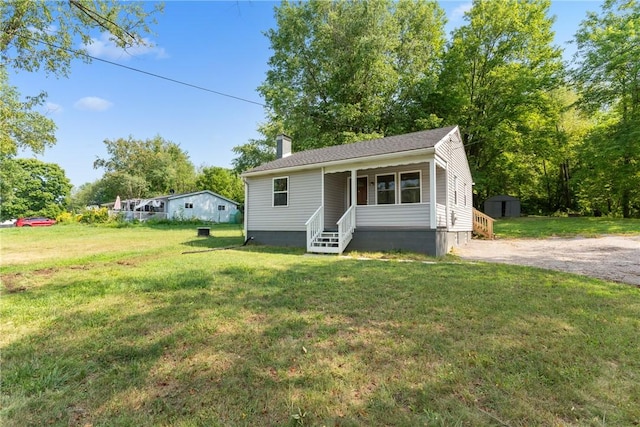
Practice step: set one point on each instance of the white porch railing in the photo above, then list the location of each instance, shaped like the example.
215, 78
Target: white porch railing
346, 225
143, 216
315, 226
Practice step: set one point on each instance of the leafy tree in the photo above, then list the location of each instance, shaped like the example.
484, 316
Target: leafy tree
20, 126
87, 194
498, 72
607, 77
146, 167
40, 34
222, 181
257, 151
610, 184
345, 71
37, 188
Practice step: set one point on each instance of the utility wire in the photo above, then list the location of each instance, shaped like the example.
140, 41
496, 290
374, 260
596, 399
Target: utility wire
77, 52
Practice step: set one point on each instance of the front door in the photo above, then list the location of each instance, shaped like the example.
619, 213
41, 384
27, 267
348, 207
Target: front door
361, 186
362, 190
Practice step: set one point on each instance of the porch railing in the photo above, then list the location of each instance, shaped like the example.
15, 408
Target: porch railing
346, 225
143, 216
482, 224
315, 226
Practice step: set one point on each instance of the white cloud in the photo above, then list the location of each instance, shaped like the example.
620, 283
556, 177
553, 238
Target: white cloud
92, 103
53, 108
459, 11
107, 49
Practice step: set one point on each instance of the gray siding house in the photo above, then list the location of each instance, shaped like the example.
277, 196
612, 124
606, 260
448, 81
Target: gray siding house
204, 205
408, 192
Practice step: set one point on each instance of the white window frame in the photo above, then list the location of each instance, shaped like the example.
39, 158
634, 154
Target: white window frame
455, 190
188, 205
395, 188
222, 207
399, 186
274, 192
464, 195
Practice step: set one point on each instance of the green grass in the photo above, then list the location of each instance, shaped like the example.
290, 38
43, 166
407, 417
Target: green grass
541, 227
132, 332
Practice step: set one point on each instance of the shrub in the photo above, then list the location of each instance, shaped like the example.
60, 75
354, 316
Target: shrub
95, 216
68, 218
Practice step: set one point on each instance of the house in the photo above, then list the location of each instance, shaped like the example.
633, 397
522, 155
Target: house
502, 206
204, 205
407, 192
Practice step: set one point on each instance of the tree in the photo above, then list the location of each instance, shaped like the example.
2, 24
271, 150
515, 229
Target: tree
607, 77
148, 167
35, 188
498, 72
222, 181
609, 183
349, 70
39, 34
20, 126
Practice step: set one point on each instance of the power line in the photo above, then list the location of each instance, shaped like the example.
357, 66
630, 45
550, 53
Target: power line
77, 52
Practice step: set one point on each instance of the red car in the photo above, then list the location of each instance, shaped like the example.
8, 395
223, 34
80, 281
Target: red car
34, 222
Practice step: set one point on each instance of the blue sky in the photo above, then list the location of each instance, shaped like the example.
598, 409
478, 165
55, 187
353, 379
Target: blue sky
213, 44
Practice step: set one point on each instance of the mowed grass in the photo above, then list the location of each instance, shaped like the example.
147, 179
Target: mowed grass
132, 332
542, 227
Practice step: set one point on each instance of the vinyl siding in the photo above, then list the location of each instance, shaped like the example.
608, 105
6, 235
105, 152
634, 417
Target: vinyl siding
205, 207
304, 199
442, 194
457, 165
407, 215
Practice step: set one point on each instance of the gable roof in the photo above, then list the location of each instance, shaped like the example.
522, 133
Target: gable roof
374, 147
180, 196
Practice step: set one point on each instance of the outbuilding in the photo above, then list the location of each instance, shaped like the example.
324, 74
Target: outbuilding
203, 205
502, 206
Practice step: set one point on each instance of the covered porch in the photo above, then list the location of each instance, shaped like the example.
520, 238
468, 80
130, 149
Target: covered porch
144, 209
378, 198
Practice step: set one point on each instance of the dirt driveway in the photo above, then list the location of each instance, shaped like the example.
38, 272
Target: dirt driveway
615, 258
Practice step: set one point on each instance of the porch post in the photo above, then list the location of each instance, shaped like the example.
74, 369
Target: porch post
354, 188
322, 186
433, 207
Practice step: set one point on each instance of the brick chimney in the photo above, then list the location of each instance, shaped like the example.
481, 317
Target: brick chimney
283, 146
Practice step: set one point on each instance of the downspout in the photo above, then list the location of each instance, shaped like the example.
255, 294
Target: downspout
246, 208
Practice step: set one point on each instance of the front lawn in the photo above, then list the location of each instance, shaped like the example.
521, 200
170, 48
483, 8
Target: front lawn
119, 327
542, 227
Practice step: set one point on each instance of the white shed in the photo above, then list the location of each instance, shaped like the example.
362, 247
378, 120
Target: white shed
205, 205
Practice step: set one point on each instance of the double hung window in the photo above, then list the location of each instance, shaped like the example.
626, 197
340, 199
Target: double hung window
281, 191
410, 187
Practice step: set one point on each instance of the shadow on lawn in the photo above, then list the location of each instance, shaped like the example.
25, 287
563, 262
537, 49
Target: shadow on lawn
322, 342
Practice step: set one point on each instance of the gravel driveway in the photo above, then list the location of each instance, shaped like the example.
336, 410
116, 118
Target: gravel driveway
615, 258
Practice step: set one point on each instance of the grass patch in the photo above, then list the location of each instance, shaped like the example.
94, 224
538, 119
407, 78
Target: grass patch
135, 333
542, 227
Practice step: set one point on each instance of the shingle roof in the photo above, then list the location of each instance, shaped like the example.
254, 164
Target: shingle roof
373, 147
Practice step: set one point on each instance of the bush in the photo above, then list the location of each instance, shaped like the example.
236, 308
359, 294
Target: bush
95, 216
68, 218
